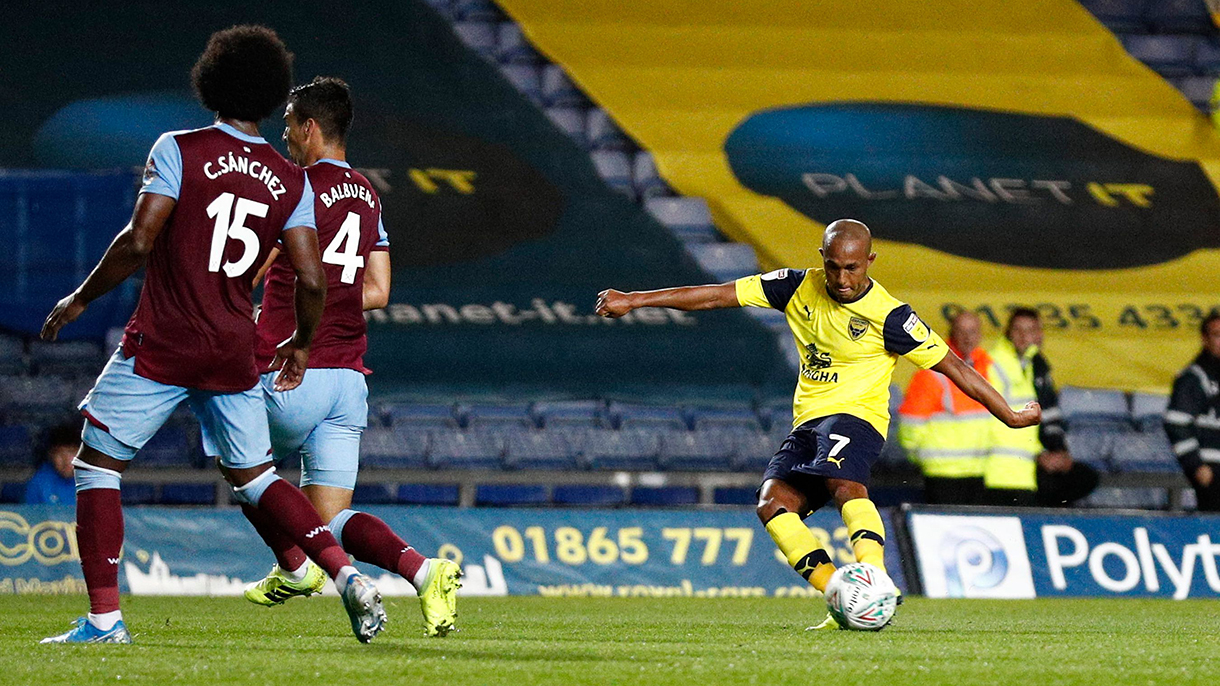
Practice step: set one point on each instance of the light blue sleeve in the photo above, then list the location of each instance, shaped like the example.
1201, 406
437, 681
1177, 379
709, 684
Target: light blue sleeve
163, 171
303, 214
383, 238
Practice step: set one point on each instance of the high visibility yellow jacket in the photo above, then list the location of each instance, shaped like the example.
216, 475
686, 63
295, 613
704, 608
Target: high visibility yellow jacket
1012, 463
944, 430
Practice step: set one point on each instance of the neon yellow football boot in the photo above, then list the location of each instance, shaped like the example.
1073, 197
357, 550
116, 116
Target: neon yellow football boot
277, 587
828, 624
438, 597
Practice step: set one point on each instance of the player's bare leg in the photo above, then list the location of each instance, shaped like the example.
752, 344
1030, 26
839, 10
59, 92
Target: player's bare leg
294, 514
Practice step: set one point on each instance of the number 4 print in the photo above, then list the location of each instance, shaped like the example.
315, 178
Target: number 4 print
344, 249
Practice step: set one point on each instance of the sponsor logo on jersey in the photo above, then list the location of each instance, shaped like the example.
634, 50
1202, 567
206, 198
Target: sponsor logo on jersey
815, 365
857, 327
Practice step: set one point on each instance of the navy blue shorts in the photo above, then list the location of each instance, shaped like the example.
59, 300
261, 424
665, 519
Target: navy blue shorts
838, 446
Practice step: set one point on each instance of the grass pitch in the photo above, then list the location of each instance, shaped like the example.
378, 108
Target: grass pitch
520, 641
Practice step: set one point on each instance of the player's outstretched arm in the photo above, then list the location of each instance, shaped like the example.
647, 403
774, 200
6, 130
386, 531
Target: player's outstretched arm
377, 280
123, 258
974, 385
612, 303
292, 356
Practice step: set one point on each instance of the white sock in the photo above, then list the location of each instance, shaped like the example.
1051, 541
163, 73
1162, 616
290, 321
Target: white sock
106, 620
422, 575
297, 574
345, 572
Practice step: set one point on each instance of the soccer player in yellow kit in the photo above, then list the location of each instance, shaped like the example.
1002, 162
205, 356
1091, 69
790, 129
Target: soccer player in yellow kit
850, 332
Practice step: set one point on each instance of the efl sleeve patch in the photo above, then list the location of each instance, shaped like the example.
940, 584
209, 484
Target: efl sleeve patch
906, 334
780, 285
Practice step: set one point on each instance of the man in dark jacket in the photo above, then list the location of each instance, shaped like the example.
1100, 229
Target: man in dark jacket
1192, 419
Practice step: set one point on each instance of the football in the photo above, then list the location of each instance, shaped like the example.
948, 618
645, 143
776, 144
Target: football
861, 597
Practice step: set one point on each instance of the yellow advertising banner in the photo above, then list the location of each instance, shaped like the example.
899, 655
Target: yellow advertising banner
1005, 154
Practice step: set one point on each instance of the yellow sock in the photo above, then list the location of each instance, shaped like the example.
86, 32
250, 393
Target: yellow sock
804, 552
865, 531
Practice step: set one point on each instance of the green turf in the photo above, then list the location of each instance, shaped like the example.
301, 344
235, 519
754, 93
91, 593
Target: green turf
520, 641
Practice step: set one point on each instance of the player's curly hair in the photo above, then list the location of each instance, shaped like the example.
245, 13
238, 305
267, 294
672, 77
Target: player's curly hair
328, 101
244, 73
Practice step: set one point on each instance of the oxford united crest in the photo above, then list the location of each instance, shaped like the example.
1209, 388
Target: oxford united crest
857, 327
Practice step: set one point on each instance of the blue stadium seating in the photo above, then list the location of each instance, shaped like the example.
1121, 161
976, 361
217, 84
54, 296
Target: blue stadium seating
372, 494
499, 417
664, 496
755, 450
539, 450
188, 494
421, 416
734, 495
466, 450
12, 356
428, 494
589, 496
12, 492
614, 167
603, 133
629, 416
725, 418
687, 218
1092, 446
625, 449
571, 121
479, 36
1144, 452
398, 448
476, 10
1094, 408
559, 91
648, 182
525, 78
1179, 16
1121, 16
138, 494
571, 413
1148, 410
512, 46
725, 261
1128, 498
511, 495
772, 319
39, 399
16, 446
1207, 60
1197, 89
1168, 55
67, 358
706, 450
169, 447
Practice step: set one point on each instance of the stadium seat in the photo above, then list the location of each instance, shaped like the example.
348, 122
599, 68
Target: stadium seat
428, 494
169, 447
499, 417
559, 91
524, 78
1148, 410
603, 133
1092, 446
421, 416
539, 450
1197, 89
37, 398
1190, 499
571, 121
741, 417
476, 10
1167, 55
725, 261
571, 413
12, 356
1096, 408
777, 415
589, 496
16, 447
69, 358
1120, 16
664, 496
687, 218
734, 495
754, 452
1128, 498
465, 450
372, 494
648, 182
705, 450
399, 448
188, 494
1144, 452
1179, 16
12, 492
511, 495
138, 494
479, 36
1207, 60
614, 167
513, 47
626, 449
630, 416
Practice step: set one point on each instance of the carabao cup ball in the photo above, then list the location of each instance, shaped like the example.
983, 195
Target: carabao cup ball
861, 597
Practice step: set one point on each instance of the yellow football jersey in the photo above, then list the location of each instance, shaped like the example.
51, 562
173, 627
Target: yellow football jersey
848, 350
